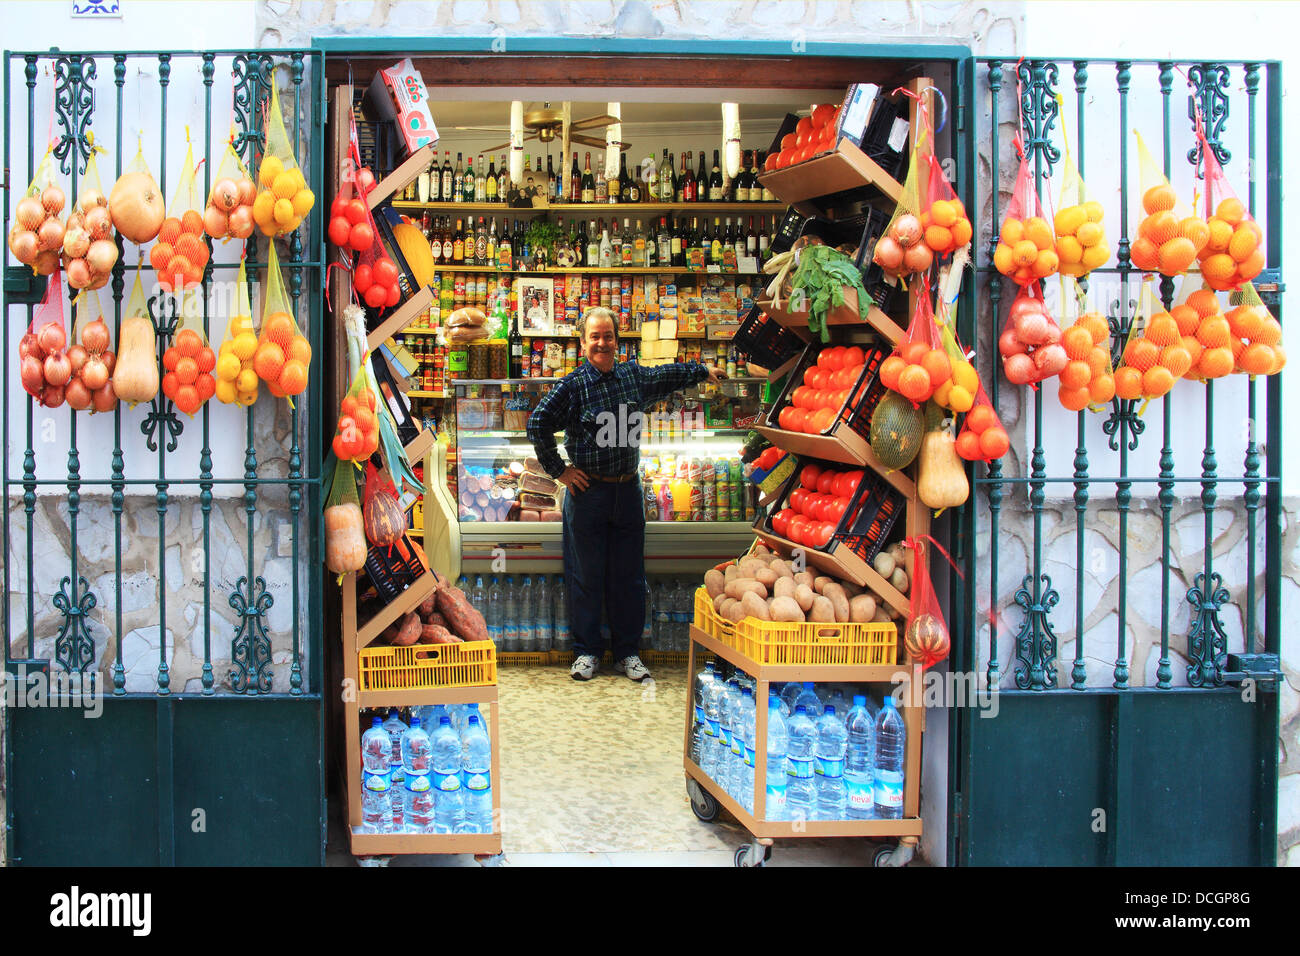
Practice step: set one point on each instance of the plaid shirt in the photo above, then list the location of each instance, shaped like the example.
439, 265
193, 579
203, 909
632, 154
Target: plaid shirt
595, 410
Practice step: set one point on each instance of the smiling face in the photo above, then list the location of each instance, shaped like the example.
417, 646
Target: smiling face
599, 341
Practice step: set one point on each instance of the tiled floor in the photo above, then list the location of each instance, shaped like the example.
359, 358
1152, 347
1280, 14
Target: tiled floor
591, 775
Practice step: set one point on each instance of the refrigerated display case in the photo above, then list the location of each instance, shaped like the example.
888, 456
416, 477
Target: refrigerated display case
699, 505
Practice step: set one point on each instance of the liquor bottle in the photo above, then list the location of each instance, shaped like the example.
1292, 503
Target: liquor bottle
435, 180
458, 244
716, 241
688, 173
628, 251
697, 238
649, 188
639, 246
702, 182
552, 193
606, 250
575, 181
491, 258
592, 255
588, 183
633, 190
616, 241
528, 165
767, 194
505, 260
480, 244
602, 187
676, 254
755, 187
650, 242
480, 182
619, 190
467, 184
448, 178
503, 181
751, 240
516, 342
667, 179
458, 182
490, 187
435, 238
715, 181
664, 241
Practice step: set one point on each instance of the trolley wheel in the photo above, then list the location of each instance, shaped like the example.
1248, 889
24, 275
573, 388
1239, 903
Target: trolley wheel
703, 804
373, 861
883, 856
747, 855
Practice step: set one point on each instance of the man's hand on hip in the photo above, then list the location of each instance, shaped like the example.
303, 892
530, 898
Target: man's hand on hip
574, 479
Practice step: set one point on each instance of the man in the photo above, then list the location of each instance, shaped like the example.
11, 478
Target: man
600, 407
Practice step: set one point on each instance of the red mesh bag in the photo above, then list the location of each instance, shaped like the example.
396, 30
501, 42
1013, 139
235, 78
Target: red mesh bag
944, 223
926, 639
45, 368
919, 364
983, 436
1030, 342
1234, 251
1026, 248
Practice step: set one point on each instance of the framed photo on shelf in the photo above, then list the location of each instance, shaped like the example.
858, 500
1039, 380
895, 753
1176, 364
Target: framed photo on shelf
536, 298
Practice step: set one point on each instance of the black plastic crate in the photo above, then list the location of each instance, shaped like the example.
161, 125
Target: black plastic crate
864, 528
394, 569
766, 341
886, 137
865, 395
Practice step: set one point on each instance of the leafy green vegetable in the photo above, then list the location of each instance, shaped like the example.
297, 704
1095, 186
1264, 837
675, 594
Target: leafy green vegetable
821, 277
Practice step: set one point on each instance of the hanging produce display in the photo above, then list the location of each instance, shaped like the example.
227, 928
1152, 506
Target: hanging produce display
1234, 250
1030, 343
45, 368
188, 363
983, 436
229, 212
92, 359
1088, 377
236, 379
89, 252
919, 364
900, 251
1170, 236
926, 637
36, 237
940, 476
135, 203
283, 200
180, 255
135, 376
1026, 249
345, 538
283, 354
1259, 334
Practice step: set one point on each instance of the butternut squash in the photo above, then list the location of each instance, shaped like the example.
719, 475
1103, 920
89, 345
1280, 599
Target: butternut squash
135, 376
940, 478
345, 541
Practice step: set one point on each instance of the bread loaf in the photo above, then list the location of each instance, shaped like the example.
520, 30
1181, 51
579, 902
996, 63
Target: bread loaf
464, 334
466, 316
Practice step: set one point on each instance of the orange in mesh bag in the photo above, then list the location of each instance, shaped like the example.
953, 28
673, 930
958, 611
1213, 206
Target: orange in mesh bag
357, 436
188, 363
1170, 236
1234, 251
944, 223
89, 252
1080, 233
1161, 348
1257, 332
44, 366
180, 255
283, 355
36, 237
229, 212
236, 380
1025, 249
1089, 376
283, 200
919, 364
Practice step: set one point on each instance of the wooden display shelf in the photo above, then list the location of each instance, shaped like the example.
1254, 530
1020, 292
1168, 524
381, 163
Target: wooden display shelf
598, 270
841, 562
817, 673
597, 210
843, 445
842, 315
843, 168
386, 844
420, 393
402, 316
404, 603
402, 176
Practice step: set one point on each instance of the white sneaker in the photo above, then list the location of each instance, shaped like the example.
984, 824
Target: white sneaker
633, 668
584, 667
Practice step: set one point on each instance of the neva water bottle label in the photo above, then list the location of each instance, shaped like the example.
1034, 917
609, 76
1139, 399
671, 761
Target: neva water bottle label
775, 802
749, 756
737, 748
417, 782
799, 767
446, 782
699, 714
711, 726
477, 779
830, 768
378, 782
725, 733
889, 789
861, 799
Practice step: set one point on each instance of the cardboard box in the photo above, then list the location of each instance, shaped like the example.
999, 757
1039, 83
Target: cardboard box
397, 95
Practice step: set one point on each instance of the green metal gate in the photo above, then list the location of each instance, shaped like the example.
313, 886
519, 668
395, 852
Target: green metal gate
1159, 745
173, 562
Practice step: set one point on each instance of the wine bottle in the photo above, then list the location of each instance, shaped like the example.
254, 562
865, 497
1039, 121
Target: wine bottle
490, 187
458, 183
715, 181
588, 182
575, 181
505, 249
503, 181
448, 178
516, 343
702, 182
552, 194
667, 178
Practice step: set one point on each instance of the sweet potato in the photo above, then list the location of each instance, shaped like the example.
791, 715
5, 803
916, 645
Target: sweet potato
822, 610
462, 618
428, 604
437, 634
739, 587
408, 632
786, 609
715, 582
754, 606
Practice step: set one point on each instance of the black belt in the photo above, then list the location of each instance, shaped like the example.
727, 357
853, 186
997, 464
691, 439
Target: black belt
614, 479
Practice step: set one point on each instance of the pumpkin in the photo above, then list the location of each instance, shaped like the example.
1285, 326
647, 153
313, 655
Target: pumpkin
926, 640
135, 374
940, 477
136, 207
416, 252
385, 520
345, 542
896, 430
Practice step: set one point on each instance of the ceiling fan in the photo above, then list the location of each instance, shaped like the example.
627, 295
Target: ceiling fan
546, 125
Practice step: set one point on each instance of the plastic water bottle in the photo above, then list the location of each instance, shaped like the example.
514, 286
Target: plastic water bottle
712, 728
685, 607
832, 741
478, 597
476, 761
510, 628
472, 709
664, 620
860, 761
449, 807
396, 728
563, 635
840, 703
745, 727
527, 616
812, 704
495, 615
463, 584
801, 795
648, 624
417, 767
891, 741
376, 779
789, 694
543, 620
702, 680
777, 744
726, 747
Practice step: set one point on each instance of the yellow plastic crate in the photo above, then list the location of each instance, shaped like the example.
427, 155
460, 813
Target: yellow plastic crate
524, 658
708, 620
429, 666
767, 642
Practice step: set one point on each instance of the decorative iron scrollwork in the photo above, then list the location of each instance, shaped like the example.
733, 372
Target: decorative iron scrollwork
250, 651
1036, 641
74, 648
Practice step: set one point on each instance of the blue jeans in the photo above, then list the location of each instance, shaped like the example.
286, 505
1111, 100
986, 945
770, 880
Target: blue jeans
604, 563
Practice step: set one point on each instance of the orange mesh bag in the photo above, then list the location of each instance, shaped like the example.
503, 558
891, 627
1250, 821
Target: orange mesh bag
958, 393
1259, 335
1080, 232
1030, 342
1155, 354
1088, 379
283, 354
1025, 251
919, 364
944, 223
356, 437
926, 638
900, 251
1234, 251
44, 366
236, 379
189, 361
1171, 235
180, 255
283, 199
983, 436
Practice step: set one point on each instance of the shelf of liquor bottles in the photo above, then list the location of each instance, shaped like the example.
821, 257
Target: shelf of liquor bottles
598, 270
594, 208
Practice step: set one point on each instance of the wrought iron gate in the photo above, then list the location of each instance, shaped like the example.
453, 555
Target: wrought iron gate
1175, 761
164, 536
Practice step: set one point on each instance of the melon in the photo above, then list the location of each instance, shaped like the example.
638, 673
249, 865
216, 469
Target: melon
926, 640
896, 431
416, 252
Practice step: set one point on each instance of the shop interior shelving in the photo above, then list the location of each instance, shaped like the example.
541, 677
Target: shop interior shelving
357, 634
596, 210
